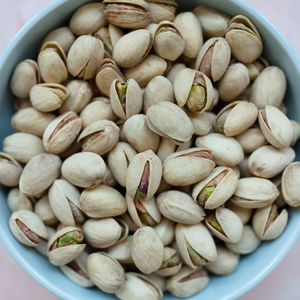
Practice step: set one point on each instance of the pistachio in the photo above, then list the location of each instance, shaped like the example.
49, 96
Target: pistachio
43, 209
296, 130
256, 67
245, 214
19, 201
161, 10
21, 103
166, 231
165, 148
244, 168
176, 68
42, 246
121, 251
171, 263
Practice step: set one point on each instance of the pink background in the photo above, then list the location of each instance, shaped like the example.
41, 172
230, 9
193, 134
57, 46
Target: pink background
283, 282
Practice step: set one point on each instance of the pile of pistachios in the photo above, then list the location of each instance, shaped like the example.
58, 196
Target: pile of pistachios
150, 149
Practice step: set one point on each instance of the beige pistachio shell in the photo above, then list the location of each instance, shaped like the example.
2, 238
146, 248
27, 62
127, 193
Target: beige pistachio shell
109, 178
42, 246
166, 147
127, 219
161, 10
296, 130
201, 122
21, 103
244, 168
166, 231
43, 209
122, 251
256, 67
172, 73
245, 214
171, 263
19, 201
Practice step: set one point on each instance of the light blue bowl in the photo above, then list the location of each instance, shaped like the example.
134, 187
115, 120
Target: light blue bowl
253, 268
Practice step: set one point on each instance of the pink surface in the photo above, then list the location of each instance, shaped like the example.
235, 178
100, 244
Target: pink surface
282, 283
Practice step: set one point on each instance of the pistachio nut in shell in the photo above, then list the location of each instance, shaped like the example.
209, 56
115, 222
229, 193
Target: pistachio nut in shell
165, 148
102, 201
19, 201
27, 227
21, 103
216, 188
196, 245
127, 219
171, 263
43, 209
201, 122
172, 73
39, 173
109, 179
42, 246
147, 250
256, 67
121, 251
166, 231
296, 129
163, 118
245, 214
243, 167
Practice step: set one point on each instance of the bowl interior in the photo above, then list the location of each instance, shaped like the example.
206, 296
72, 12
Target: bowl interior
252, 268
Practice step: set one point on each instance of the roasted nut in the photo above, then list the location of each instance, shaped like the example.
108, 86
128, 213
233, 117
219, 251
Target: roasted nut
43, 209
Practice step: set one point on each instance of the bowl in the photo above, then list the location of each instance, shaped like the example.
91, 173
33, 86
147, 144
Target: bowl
252, 268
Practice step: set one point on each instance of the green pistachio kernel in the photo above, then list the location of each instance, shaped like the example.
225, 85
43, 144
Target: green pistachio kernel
121, 90
70, 238
214, 223
197, 98
205, 194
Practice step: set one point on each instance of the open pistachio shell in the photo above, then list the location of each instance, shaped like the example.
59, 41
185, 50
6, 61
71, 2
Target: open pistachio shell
161, 10
171, 263
10, 170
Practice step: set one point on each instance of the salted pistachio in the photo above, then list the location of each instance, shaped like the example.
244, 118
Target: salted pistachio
107, 72
88, 18
193, 89
52, 63
256, 67
179, 207
254, 192
26, 74
126, 98
109, 178
30, 120
225, 224
213, 58
166, 147
76, 270
236, 117
229, 156
19, 201
84, 56
279, 202
296, 130
201, 122
147, 250
251, 139
172, 73
166, 231
171, 263
105, 232
121, 251
139, 287
99, 137
168, 41
163, 118
188, 166
216, 188
128, 220
61, 132
21, 103
244, 39
244, 168
234, 82
22, 146
247, 244
132, 48
280, 136
245, 214
161, 10
150, 67
43, 209
103, 201
27, 227
214, 23
42, 245
268, 161
196, 245
63, 36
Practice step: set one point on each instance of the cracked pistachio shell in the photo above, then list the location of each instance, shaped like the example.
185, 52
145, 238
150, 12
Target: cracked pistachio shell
256, 67
26, 75
98, 109
76, 270
201, 122
102, 201
171, 263
39, 173
64, 201
47, 97
275, 126
196, 245
30, 120
172, 73
52, 63
193, 89
163, 118
69, 249
104, 233
179, 207
247, 244
268, 161
296, 130
245, 214
254, 192
99, 137
19, 201
229, 156
62, 36
213, 58
214, 23
188, 166
152, 28
244, 40
107, 72
216, 188
119, 159
147, 250
126, 98
139, 287
290, 184
161, 10
132, 48
84, 57
234, 82
236, 118
22, 146
269, 87
166, 231
127, 219
84, 169
150, 67
168, 41
42, 246
122, 251
61, 132
43, 209
88, 18
268, 223
225, 224
133, 14
143, 175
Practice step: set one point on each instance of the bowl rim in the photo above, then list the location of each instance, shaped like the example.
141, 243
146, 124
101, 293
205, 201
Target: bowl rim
47, 283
